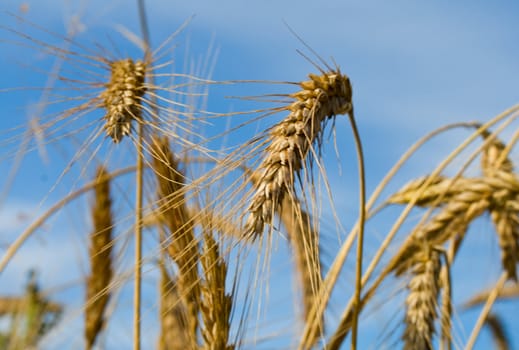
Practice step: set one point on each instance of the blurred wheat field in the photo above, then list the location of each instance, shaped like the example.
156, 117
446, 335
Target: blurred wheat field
154, 200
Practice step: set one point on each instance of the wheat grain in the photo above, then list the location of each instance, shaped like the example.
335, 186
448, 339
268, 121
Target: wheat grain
290, 141
122, 97
421, 302
97, 290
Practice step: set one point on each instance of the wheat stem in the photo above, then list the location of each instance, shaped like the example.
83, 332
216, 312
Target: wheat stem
360, 237
138, 243
486, 311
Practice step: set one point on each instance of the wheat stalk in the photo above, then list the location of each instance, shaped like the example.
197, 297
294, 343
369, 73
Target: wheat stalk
421, 302
290, 141
100, 248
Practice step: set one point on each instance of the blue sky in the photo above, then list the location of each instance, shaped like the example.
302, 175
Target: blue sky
414, 67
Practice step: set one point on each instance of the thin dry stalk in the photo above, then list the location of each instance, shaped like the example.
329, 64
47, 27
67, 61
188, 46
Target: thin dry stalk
122, 97
421, 302
182, 245
321, 98
305, 244
216, 303
100, 248
508, 292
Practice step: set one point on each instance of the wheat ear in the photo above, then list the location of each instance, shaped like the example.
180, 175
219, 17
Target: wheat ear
440, 191
421, 302
290, 141
216, 303
453, 219
182, 245
173, 322
100, 248
122, 97
503, 211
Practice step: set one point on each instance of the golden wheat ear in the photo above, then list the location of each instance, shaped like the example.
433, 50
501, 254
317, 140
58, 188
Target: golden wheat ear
498, 167
173, 320
422, 301
98, 283
321, 98
216, 302
122, 97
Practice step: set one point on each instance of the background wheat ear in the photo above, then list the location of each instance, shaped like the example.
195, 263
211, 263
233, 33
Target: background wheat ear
174, 325
498, 167
180, 241
100, 247
122, 97
322, 97
421, 302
